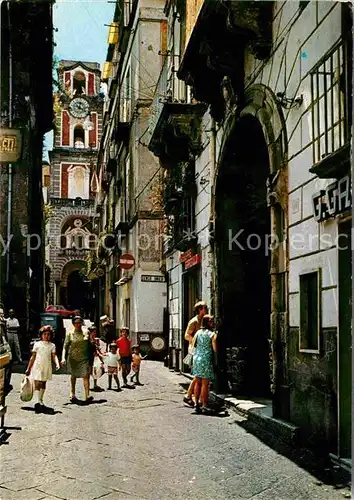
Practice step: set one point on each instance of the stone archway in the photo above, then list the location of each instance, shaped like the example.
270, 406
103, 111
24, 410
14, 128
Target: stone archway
70, 268
250, 212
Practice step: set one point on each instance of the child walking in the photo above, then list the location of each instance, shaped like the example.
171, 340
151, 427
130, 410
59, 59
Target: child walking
136, 362
113, 366
97, 359
40, 365
125, 351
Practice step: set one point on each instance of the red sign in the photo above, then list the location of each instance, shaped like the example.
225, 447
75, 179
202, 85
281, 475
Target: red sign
126, 261
192, 261
186, 255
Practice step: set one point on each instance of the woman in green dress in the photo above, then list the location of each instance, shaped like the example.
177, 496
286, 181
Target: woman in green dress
77, 354
204, 344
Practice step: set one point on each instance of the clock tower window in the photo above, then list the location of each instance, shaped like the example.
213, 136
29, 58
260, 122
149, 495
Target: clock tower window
79, 83
79, 137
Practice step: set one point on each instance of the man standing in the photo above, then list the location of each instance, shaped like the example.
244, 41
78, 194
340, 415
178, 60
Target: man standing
12, 328
109, 332
200, 310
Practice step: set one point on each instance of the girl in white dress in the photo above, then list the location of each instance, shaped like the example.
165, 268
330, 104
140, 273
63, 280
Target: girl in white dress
40, 365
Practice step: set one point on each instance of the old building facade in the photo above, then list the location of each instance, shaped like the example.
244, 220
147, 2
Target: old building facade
70, 232
26, 114
253, 130
129, 199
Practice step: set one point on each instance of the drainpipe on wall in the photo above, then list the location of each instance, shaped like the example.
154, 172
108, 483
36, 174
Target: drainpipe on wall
212, 207
9, 190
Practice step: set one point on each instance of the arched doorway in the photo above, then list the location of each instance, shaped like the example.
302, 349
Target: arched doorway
242, 226
76, 291
250, 270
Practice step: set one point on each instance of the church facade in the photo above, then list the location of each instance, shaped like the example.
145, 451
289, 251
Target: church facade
78, 106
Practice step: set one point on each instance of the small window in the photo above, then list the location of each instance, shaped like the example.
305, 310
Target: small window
79, 137
310, 312
46, 181
63, 241
79, 83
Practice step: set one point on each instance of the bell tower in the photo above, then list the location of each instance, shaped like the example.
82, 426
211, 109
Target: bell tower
78, 107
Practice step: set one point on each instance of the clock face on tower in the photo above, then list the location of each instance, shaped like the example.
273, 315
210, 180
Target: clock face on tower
79, 107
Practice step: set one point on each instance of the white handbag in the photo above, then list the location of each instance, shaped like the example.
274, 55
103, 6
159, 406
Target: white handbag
26, 389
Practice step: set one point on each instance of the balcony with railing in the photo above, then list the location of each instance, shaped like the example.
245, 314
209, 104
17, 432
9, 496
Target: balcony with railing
174, 125
208, 57
72, 202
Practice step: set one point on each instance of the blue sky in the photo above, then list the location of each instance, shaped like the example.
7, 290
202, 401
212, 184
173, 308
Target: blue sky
82, 34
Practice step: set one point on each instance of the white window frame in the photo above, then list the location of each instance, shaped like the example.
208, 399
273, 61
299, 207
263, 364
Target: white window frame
86, 169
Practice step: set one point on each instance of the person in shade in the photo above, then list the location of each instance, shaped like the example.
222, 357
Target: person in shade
12, 330
77, 354
204, 344
200, 310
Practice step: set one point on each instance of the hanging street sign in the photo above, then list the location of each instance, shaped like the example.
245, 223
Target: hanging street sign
126, 261
10, 145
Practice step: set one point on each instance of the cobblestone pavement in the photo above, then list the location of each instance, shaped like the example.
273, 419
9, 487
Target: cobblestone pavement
141, 444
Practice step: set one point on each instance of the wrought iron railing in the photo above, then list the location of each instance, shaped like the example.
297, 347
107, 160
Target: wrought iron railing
168, 89
71, 202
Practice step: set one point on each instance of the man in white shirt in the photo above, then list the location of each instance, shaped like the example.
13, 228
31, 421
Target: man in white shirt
12, 327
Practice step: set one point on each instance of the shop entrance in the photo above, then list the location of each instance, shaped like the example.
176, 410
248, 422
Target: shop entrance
242, 225
345, 339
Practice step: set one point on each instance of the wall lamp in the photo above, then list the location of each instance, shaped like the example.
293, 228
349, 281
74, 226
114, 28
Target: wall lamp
287, 102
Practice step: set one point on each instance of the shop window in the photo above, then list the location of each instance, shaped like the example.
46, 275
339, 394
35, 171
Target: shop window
330, 98
310, 311
79, 83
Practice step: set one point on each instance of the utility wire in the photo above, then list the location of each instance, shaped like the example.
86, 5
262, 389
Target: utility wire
148, 182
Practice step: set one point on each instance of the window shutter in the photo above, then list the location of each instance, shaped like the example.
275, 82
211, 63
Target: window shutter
65, 129
67, 82
93, 133
64, 180
91, 84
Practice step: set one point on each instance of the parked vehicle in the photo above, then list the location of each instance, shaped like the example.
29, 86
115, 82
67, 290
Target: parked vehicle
65, 313
55, 320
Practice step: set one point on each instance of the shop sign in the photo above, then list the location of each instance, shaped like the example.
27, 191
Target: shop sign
186, 255
193, 261
189, 259
335, 199
147, 278
10, 145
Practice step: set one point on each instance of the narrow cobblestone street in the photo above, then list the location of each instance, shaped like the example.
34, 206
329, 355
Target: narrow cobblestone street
140, 444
